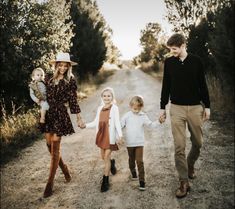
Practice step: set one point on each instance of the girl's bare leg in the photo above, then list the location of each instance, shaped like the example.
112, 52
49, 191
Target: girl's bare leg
107, 163
102, 153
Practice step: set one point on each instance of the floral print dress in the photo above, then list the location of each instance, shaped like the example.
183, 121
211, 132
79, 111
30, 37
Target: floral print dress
58, 95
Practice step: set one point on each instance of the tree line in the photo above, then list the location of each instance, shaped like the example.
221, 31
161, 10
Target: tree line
209, 28
32, 32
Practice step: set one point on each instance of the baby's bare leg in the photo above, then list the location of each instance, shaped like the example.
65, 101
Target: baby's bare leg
43, 115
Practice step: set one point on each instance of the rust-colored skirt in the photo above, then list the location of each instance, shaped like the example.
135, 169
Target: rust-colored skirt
102, 137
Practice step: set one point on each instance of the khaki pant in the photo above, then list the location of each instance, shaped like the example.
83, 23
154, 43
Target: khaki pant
192, 116
136, 154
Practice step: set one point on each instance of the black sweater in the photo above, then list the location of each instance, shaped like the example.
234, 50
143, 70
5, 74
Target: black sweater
184, 82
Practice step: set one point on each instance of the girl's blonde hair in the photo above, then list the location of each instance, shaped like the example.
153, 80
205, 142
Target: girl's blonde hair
38, 70
111, 91
137, 100
68, 74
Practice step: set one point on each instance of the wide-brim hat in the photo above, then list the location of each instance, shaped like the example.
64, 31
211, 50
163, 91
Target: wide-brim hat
62, 57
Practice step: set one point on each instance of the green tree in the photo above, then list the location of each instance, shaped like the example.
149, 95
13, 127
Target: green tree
185, 14
221, 42
152, 41
30, 34
89, 43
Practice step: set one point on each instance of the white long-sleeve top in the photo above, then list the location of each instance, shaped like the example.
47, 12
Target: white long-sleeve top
134, 124
115, 131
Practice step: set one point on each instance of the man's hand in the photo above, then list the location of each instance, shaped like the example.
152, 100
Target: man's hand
162, 116
206, 114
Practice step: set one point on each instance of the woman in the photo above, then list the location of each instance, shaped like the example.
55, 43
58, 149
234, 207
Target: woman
61, 90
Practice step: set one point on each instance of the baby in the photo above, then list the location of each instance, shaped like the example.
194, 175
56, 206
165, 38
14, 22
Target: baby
38, 92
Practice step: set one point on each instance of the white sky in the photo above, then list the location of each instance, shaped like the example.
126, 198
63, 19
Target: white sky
128, 17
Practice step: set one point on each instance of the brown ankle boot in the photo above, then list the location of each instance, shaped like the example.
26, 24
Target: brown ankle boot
63, 167
55, 156
183, 190
48, 190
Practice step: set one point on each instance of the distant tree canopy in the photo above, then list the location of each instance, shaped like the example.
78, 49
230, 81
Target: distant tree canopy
185, 14
88, 44
32, 33
152, 42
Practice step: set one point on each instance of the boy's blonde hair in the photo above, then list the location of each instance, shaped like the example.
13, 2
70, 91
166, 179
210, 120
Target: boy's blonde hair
137, 100
111, 91
37, 70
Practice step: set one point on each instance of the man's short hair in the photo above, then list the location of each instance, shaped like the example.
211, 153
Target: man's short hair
176, 40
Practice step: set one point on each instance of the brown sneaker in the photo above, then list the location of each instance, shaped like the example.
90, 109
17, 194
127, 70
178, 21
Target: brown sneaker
191, 173
183, 190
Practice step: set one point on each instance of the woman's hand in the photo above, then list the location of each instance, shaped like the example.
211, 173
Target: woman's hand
80, 122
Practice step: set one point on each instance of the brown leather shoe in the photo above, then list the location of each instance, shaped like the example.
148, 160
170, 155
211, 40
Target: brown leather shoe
183, 190
48, 190
191, 173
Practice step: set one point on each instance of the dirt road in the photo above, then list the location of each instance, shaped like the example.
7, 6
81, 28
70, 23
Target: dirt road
23, 179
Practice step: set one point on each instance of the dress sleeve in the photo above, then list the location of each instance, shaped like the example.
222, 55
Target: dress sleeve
73, 103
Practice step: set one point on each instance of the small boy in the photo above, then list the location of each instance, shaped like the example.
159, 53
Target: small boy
134, 122
38, 92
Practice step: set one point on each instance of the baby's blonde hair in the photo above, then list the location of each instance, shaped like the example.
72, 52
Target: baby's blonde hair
137, 100
37, 70
111, 91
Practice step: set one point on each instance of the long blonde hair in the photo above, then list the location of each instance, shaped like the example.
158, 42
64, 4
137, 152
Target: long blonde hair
111, 91
68, 74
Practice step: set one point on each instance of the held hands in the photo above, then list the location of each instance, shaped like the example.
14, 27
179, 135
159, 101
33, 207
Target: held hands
81, 124
206, 114
120, 141
162, 116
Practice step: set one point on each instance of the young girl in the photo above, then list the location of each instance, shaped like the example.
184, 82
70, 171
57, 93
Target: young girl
108, 130
61, 89
134, 122
37, 90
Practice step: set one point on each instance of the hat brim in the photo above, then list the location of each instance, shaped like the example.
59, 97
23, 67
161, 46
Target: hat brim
52, 62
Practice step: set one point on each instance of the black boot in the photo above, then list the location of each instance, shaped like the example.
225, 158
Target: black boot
113, 168
105, 184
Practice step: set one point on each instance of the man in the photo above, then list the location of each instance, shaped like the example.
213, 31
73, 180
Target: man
184, 83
